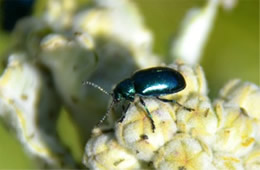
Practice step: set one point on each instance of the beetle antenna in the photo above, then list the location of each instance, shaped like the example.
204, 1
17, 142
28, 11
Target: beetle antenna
105, 116
96, 86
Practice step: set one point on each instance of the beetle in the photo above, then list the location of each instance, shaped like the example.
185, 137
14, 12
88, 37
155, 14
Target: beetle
151, 82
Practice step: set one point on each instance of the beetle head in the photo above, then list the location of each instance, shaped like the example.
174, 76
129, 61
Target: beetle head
124, 90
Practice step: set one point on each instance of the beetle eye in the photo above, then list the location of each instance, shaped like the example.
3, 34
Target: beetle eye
117, 97
116, 100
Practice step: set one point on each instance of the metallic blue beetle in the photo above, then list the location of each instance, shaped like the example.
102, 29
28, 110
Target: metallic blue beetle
152, 82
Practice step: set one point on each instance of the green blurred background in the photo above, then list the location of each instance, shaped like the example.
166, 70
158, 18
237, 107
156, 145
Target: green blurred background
232, 51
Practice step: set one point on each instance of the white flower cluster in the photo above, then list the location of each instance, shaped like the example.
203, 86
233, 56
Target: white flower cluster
223, 135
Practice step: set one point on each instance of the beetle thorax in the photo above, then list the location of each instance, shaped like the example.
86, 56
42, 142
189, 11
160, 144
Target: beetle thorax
124, 90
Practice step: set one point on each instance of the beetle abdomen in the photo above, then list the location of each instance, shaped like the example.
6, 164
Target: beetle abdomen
158, 81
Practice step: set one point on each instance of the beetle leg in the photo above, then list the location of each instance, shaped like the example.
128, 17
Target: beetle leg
174, 101
148, 113
124, 112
